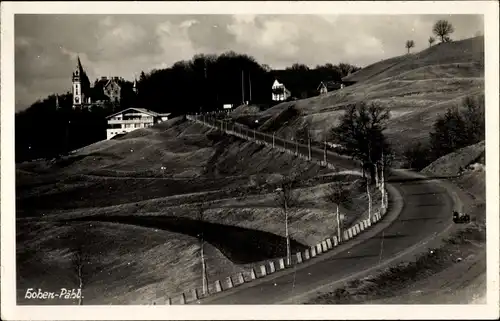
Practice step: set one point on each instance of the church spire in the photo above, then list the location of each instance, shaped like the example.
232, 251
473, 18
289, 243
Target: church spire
79, 69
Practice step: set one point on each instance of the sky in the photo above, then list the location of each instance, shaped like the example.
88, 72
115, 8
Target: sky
46, 46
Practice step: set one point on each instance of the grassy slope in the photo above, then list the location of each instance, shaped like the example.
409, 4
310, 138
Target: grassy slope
415, 87
119, 182
436, 278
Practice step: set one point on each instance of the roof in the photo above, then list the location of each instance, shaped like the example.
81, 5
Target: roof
142, 110
329, 84
112, 79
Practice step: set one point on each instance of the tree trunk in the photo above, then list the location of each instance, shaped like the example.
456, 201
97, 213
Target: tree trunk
286, 235
339, 237
80, 285
369, 201
204, 270
309, 147
372, 173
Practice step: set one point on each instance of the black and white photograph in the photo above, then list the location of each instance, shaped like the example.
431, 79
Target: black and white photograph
232, 154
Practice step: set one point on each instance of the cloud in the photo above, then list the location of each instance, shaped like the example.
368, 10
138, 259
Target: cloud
46, 46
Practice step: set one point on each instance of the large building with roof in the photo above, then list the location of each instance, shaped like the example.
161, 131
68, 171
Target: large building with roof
131, 119
105, 89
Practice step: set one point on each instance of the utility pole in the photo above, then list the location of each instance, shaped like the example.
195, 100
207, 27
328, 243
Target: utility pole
250, 84
296, 147
273, 140
242, 88
206, 84
382, 188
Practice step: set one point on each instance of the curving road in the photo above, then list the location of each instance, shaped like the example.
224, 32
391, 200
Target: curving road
425, 210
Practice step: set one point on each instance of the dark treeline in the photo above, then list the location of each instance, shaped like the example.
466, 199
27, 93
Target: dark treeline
204, 83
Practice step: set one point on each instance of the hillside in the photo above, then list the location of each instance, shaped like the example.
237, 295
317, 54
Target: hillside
454, 163
415, 87
139, 196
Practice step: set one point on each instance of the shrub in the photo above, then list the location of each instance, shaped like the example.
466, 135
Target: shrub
417, 156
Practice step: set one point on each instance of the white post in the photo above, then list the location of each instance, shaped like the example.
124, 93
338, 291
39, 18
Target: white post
273, 140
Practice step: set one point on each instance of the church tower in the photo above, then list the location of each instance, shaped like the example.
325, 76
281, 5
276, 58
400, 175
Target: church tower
78, 86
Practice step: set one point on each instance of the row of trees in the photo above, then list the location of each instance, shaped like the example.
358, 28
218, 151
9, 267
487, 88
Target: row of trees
204, 83
441, 29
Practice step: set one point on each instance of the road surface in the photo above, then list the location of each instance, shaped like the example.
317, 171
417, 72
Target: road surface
425, 211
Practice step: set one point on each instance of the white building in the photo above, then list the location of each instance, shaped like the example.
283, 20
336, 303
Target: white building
280, 93
131, 119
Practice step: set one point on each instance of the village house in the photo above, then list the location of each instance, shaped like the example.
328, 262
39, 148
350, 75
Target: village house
279, 91
131, 119
327, 86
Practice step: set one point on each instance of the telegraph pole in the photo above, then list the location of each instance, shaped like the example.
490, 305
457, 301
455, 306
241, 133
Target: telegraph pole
242, 88
250, 84
384, 200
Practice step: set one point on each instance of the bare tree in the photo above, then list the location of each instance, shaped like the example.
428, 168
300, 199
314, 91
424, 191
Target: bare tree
202, 207
78, 261
361, 134
338, 195
409, 44
442, 29
431, 41
79, 244
287, 198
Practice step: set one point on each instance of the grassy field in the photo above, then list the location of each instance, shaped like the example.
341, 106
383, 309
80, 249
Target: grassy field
137, 223
415, 87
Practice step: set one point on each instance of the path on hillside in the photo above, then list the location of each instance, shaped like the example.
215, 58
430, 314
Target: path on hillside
426, 211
